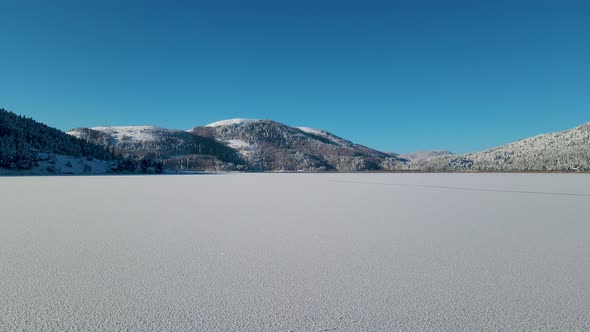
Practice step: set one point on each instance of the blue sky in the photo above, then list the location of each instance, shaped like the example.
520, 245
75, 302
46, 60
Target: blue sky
394, 75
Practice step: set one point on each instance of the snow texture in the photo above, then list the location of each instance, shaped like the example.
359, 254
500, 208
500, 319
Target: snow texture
560, 151
243, 147
238, 144
326, 135
231, 122
295, 252
311, 131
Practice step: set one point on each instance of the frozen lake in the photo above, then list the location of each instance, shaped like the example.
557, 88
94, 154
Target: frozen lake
295, 252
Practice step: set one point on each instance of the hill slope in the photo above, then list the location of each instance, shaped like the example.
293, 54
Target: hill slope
560, 151
25, 142
176, 148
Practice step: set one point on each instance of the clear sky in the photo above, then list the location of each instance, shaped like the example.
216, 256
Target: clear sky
394, 75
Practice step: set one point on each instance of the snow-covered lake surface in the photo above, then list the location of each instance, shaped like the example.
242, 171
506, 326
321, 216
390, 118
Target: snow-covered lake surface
295, 252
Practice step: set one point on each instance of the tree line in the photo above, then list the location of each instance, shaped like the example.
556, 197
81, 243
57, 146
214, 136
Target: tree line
22, 139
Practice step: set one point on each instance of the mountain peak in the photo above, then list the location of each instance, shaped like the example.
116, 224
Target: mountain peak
232, 122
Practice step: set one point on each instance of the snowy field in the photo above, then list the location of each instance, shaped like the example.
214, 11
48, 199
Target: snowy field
295, 252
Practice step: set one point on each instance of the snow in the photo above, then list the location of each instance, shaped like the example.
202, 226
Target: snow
312, 131
238, 144
137, 133
243, 147
231, 122
558, 151
59, 164
295, 252
74, 133
325, 134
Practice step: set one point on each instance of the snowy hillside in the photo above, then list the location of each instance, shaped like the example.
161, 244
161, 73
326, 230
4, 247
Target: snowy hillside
127, 134
270, 145
135, 133
240, 144
249, 144
322, 133
24, 142
178, 149
560, 151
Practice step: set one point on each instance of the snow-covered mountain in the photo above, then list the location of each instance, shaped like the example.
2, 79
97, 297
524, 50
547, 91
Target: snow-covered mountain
250, 144
270, 145
239, 144
560, 151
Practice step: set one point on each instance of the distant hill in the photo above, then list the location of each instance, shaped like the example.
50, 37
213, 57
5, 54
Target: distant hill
424, 155
24, 143
561, 151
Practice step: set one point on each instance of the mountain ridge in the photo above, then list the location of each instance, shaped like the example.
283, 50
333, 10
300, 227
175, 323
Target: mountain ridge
247, 144
265, 145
